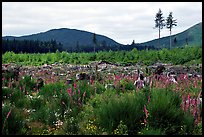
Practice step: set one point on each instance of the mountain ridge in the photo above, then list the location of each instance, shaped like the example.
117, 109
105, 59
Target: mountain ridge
193, 35
71, 38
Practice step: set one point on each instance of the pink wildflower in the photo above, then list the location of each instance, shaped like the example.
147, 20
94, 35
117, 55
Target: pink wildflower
75, 85
194, 111
84, 94
79, 92
189, 99
182, 103
91, 81
145, 121
146, 111
69, 90
148, 98
20, 88
74, 93
195, 82
198, 98
150, 83
8, 114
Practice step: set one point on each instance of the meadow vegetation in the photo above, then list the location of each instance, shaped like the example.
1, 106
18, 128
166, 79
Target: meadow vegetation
87, 108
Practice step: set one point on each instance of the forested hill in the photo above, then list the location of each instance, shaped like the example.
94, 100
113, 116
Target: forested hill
191, 36
82, 41
70, 38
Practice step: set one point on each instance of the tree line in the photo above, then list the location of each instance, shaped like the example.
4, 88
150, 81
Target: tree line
30, 46
36, 46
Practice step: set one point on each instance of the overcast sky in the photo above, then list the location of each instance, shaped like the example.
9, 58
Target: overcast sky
120, 21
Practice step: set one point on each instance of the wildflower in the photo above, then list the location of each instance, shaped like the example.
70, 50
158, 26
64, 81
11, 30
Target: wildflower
184, 102
146, 111
20, 88
75, 85
74, 93
8, 114
150, 85
195, 82
69, 90
79, 92
189, 99
84, 94
148, 98
198, 98
91, 81
145, 121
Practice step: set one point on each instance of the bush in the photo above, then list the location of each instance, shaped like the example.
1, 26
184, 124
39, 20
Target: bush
165, 112
128, 108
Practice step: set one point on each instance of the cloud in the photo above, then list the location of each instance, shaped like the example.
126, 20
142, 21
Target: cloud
121, 21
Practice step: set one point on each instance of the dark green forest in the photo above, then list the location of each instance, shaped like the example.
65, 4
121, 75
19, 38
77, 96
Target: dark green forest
36, 46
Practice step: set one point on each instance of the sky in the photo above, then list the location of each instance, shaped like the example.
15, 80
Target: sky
120, 21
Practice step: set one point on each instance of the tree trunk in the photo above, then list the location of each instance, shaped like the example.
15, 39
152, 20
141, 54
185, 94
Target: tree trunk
170, 39
159, 36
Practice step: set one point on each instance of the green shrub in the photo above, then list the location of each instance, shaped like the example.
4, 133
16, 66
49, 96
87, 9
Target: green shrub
165, 112
128, 108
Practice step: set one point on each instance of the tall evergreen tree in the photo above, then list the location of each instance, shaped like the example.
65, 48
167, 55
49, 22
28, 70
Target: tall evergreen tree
159, 22
170, 23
